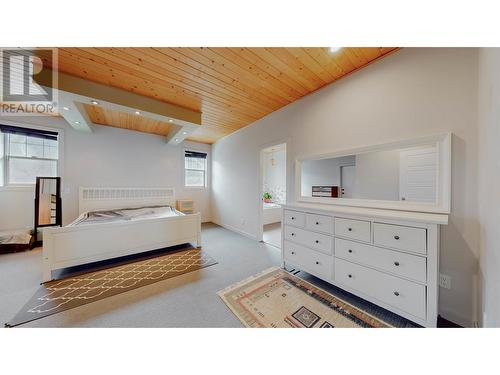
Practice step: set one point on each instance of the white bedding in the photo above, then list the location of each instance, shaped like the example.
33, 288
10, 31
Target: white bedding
125, 214
15, 237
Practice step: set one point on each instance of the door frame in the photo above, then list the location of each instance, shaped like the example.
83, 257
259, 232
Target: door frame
342, 176
260, 202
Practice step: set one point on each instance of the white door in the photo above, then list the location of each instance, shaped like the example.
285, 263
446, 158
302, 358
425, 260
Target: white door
347, 180
418, 175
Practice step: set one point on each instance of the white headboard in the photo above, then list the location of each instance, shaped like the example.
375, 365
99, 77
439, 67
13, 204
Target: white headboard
102, 198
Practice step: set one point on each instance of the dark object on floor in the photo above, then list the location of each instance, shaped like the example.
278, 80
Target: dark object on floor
83, 288
13, 247
444, 323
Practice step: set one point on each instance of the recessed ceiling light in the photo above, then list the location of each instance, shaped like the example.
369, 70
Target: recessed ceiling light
94, 102
335, 49
177, 139
137, 112
66, 108
77, 122
170, 120
184, 133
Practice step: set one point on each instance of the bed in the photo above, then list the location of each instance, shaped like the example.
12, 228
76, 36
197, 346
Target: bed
16, 240
115, 222
272, 213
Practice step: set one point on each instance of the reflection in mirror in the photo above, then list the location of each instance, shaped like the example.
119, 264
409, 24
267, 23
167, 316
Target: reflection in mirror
47, 204
402, 174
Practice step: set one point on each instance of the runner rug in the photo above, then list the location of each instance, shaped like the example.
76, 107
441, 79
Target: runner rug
56, 296
275, 298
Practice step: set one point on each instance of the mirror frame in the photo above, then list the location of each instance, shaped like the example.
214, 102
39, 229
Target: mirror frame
58, 203
443, 204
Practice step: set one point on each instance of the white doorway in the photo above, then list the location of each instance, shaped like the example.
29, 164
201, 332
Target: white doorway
347, 180
273, 191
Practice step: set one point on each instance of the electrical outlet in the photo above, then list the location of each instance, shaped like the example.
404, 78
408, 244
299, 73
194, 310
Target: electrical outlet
444, 281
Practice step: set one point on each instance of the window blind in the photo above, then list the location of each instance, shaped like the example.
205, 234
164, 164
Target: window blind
195, 154
37, 133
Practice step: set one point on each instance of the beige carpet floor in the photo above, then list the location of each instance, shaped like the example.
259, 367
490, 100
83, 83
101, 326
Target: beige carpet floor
188, 300
272, 234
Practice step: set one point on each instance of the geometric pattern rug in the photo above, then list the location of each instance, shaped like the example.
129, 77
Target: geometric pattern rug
275, 298
59, 295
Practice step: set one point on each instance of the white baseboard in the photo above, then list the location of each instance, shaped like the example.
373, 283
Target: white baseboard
233, 229
456, 318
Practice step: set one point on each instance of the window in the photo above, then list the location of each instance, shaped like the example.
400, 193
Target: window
27, 153
195, 165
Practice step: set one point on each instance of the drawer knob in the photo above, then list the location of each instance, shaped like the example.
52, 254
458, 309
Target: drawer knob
396, 294
396, 237
317, 262
293, 218
293, 252
293, 234
316, 241
317, 223
350, 276
349, 251
396, 263
349, 229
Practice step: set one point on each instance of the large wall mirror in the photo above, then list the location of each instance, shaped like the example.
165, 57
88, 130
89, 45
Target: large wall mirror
411, 175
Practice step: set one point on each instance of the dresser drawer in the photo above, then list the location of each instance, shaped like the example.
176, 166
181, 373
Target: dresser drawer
316, 241
320, 223
355, 229
401, 294
401, 264
295, 218
400, 237
309, 260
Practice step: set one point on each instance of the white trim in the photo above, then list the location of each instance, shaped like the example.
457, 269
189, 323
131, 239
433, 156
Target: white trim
288, 164
236, 230
20, 188
94, 198
360, 212
457, 318
443, 205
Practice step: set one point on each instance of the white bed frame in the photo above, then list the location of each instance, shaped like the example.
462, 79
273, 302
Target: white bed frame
81, 244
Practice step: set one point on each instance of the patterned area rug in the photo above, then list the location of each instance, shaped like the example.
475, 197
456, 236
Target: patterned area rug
276, 298
71, 292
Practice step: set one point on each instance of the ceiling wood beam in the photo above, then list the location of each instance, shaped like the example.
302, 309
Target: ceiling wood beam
74, 92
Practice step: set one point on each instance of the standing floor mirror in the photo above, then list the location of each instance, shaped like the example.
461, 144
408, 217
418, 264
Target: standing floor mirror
48, 210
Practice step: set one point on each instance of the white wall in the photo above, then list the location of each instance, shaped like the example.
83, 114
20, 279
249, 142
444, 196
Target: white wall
323, 172
377, 175
489, 183
274, 176
412, 93
107, 157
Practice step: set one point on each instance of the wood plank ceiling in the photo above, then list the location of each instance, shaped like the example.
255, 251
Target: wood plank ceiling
231, 87
106, 116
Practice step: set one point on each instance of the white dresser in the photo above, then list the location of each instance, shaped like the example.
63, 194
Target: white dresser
388, 257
